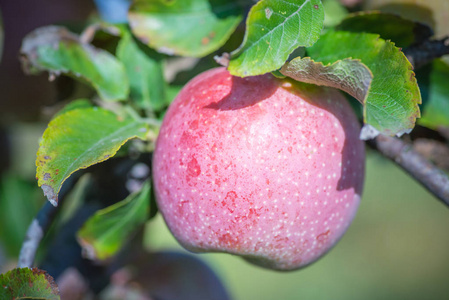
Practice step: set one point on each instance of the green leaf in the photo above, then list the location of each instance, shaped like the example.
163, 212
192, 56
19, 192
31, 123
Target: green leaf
274, 29
78, 139
436, 107
391, 106
349, 75
25, 283
56, 50
20, 201
105, 233
402, 32
184, 27
145, 73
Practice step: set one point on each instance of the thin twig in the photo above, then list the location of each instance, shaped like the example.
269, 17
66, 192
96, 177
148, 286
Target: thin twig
40, 225
35, 233
427, 174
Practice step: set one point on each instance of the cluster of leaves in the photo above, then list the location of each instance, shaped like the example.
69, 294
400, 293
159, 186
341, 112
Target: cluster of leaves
346, 57
359, 53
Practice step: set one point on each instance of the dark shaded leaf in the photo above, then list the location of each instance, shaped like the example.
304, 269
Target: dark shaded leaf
402, 32
430, 12
167, 275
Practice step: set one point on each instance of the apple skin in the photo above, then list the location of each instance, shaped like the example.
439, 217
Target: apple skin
268, 169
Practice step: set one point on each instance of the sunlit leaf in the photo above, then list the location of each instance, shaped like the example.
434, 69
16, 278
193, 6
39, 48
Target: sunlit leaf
145, 73
28, 283
391, 106
78, 139
436, 108
349, 75
402, 32
273, 30
184, 27
105, 233
56, 50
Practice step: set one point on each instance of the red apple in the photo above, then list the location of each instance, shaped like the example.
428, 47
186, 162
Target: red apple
268, 169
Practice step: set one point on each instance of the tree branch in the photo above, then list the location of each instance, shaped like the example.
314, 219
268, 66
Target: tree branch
423, 53
40, 225
435, 151
427, 174
35, 233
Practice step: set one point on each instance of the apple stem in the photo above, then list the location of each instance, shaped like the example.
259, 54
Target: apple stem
426, 173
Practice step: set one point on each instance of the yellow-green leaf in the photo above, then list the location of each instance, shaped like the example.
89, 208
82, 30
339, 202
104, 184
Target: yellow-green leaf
25, 283
78, 139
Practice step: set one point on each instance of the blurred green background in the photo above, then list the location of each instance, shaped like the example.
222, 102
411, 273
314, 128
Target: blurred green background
396, 248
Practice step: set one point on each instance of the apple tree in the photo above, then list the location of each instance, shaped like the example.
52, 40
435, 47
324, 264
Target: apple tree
243, 123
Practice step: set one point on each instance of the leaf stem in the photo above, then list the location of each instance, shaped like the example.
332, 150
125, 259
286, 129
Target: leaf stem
133, 114
153, 122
